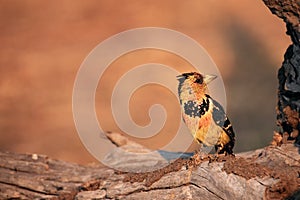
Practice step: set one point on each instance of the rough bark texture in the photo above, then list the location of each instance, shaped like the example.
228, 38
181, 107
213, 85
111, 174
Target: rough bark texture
270, 173
288, 108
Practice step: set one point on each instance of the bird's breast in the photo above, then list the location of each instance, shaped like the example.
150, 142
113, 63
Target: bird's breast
197, 115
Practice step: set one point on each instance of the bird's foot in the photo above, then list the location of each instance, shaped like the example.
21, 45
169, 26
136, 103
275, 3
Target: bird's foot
220, 157
200, 153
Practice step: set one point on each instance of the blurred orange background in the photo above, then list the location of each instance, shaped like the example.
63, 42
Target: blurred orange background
44, 43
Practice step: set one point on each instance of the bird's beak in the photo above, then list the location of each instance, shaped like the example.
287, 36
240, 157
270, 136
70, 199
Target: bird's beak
208, 78
180, 77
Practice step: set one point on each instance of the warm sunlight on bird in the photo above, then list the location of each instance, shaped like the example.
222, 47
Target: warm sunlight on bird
204, 117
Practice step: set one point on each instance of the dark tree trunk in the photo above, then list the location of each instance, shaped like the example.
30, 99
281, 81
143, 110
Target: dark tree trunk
288, 108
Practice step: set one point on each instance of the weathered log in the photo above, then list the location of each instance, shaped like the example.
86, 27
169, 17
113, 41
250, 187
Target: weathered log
269, 173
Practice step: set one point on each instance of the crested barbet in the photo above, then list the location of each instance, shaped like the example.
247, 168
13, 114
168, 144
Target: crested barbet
204, 116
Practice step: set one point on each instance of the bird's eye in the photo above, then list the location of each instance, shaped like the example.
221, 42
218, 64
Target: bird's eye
199, 80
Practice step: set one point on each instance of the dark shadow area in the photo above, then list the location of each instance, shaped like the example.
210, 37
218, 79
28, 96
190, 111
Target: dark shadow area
253, 86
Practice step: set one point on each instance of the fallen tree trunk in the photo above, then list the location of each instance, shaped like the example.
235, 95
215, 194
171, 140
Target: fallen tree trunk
269, 173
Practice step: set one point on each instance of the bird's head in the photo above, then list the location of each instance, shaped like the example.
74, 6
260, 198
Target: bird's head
195, 78
193, 83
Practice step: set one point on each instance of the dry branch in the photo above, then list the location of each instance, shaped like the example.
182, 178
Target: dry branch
270, 173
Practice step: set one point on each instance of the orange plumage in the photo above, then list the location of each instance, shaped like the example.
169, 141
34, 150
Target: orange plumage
204, 116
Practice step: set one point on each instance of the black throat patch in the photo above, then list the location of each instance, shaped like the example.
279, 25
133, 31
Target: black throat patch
196, 108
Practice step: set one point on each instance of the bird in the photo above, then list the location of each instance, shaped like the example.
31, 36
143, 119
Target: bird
204, 116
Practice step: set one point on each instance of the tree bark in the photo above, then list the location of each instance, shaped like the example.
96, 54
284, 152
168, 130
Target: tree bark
289, 74
269, 173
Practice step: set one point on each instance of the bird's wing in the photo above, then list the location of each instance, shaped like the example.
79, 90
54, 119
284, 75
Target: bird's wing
220, 118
